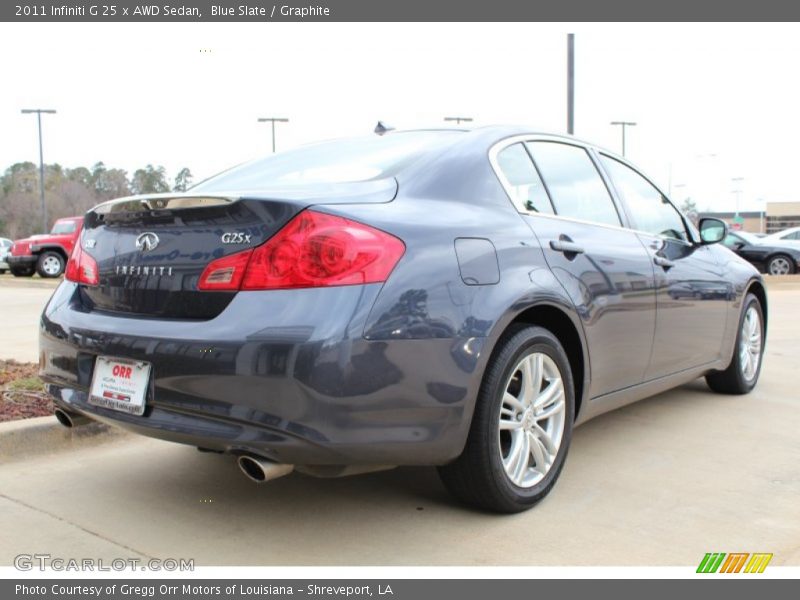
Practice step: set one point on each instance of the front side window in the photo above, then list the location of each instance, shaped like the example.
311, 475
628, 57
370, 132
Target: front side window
650, 209
791, 236
524, 183
733, 241
575, 186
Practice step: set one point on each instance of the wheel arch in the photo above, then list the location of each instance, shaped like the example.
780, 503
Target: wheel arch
53, 248
756, 287
569, 332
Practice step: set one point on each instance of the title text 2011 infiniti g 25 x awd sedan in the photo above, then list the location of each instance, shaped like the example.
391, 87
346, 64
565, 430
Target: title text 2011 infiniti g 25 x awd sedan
452, 298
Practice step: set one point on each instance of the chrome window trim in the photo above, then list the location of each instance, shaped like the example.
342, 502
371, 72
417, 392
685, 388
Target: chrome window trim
623, 161
500, 145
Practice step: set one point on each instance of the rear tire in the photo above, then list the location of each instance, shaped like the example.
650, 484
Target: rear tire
515, 422
50, 264
741, 375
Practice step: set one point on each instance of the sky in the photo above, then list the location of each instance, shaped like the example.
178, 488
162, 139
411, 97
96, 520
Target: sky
711, 102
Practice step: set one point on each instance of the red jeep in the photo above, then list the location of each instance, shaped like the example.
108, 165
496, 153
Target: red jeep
47, 253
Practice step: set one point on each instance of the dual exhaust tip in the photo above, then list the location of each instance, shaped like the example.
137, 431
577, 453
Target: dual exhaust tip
255, 468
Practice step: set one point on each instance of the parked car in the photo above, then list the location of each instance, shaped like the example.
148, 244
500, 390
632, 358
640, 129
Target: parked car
787, 238
775, 260
452, 298
5, 248
45, 254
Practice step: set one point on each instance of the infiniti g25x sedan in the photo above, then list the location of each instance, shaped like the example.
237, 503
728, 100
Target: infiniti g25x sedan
461, 299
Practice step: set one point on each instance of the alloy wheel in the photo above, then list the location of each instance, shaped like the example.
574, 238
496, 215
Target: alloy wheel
531, 419
779, 266
750, 343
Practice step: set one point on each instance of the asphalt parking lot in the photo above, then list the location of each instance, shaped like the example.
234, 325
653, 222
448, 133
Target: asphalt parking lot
660, 482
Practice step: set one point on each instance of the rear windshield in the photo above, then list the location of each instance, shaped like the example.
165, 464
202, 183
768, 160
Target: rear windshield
336, 161
62, 227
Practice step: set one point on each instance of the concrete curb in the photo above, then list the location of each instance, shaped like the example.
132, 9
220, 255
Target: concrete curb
45, 435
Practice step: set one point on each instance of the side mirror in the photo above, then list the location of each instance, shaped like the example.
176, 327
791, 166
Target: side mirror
712, 230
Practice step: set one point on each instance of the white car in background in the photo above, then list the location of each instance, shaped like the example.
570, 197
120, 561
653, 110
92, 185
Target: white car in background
788, 238
5, 248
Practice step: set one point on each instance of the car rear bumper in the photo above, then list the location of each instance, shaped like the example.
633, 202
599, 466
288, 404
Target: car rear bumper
283, 374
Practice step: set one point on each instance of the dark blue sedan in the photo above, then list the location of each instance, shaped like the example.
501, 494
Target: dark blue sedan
452, 298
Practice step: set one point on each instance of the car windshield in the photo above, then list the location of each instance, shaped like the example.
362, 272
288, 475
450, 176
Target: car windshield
63, 227
336, 161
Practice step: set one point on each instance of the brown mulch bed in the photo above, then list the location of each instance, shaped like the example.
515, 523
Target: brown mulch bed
22, 393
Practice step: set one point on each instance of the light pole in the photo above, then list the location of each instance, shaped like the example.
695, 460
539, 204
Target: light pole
39, 111
624, 125
738, 192
458, 120
571, 83
273, 120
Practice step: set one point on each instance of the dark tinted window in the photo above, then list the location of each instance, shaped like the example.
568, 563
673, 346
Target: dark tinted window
575, 186
336, 161
651, 211
522, 180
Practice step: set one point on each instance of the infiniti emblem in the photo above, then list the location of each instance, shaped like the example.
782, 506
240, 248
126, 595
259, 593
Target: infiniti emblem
147, 241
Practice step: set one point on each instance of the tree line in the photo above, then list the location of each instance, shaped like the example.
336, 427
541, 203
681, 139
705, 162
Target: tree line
71, 192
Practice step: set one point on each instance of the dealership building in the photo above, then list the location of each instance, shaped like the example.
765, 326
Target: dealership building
775, 217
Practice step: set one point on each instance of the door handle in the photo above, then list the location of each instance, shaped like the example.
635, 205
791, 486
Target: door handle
566, 246
663, 262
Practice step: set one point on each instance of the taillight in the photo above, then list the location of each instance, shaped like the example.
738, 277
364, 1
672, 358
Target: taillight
81, 268
312, 250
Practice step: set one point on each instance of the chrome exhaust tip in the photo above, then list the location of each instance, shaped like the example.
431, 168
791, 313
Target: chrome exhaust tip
261, 470
70, 419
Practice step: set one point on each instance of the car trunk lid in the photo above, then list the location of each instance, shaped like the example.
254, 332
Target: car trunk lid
151, 250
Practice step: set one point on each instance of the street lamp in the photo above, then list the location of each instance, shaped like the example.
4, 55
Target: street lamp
459, 119
273, 120
39, 111
624, 124
738, 192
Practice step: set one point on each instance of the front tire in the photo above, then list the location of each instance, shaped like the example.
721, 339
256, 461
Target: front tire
50, 264
780, 264
741, 375
521, 428
22, 271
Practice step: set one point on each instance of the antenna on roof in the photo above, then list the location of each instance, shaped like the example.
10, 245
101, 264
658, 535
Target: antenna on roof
382, 128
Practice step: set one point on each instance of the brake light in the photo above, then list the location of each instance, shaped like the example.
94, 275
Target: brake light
81, 267
312, 250
225, 273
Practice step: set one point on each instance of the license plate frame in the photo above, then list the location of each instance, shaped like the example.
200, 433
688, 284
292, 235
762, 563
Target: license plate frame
120, 384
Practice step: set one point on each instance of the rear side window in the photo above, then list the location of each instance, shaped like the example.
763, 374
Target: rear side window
575, 185
523, 181
652, 212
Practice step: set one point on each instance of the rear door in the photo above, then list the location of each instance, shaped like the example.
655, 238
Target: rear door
692, 293
603, 267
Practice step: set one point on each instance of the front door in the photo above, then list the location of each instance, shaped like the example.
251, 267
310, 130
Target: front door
692, 294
